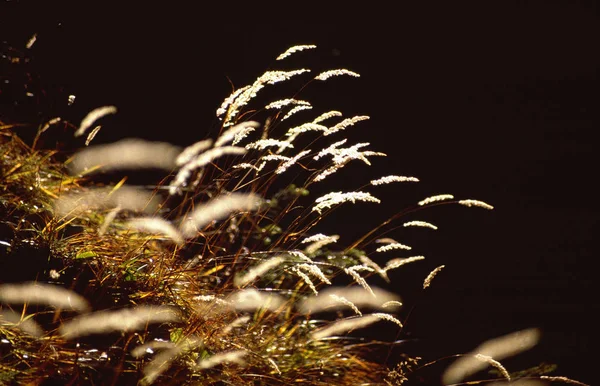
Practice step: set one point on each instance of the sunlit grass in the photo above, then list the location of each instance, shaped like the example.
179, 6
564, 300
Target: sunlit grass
214, 275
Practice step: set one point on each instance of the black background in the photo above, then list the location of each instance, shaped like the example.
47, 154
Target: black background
489, 100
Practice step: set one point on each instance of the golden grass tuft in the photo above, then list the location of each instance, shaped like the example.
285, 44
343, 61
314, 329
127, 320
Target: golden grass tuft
215, 275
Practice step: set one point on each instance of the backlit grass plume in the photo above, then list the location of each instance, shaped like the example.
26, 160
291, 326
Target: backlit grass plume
217, 274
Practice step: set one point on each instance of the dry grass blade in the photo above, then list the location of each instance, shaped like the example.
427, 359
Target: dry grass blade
492, 362
328, 74
92, 135
164, 359
292, 50
150, 347
159, 364
234, 356
238, 322
43, 294
422, 224
257, 271
318, 241
436, 198
236, 132
399, 262
126, 154
199, 162
431, 276
191, 151
125, 320
326, 301
476, 203
27, 325
336, 198
252, 300
125, 197
92, 117
393, 246
218, 209
498, 349
389, 179
343, 326
157, 225
346, 302
519, 382
206, 280
563, 380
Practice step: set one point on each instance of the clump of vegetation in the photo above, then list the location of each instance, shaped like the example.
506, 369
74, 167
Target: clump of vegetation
216, 274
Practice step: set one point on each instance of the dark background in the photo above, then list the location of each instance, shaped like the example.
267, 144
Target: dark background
489, 100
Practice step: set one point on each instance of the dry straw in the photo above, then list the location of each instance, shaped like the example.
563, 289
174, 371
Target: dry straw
328, 74
563, 380
385, 240
345, 123
43, 294
251, 300
497, 349
391, 303
217, 312
236, 133
234, 356
92, 117
356, 295
353, 272
431, 275
288, 163
163, 360
217, 209
366, 261
436, 198
157, 225
476, 203
492, 362
232, 106
124, 197
238, 322
151, 347
295, 110
422, 224
192, 151
327, 115
51, 122
389, 179
519, 382
257, 271
200, 161
31, 41
26, 324
306, 279
262, 144
292, 50
92, 135
399, 262
336, 198
278, 105
159, 364
125, 320
346, 302
319, 241
108, 219
315, 271
343, 326
393, 246
126, 154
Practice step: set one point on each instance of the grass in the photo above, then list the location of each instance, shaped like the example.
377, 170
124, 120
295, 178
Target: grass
218, 273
